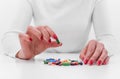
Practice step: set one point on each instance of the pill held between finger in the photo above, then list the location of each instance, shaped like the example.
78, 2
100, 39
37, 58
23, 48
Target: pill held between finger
58, 42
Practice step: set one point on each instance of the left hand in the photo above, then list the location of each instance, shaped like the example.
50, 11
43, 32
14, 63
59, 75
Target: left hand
94, 52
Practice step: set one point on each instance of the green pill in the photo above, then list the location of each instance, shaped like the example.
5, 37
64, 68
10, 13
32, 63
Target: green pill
57, 40
45, 62
65, 64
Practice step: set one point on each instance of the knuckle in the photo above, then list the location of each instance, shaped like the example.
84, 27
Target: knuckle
81, 55
88, 55
24, 40
83, 50
105, 51
20, 35
103, 57
36, 31
94, 57
46, 26
101, 44
42, 27
98, 50
91, 50
93, 41
39, 27
29, 27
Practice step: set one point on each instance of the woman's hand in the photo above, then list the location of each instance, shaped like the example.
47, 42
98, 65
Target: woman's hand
94, 52
35, 41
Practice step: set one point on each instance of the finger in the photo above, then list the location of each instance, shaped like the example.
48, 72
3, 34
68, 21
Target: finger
83, 52
33, 31
34, 35
106, 60
45, 33
51, 32
24, 37
90, 50
54, 44
25, 46
102, 57
97, 53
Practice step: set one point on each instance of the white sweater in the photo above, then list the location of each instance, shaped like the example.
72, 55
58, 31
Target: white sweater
70, 19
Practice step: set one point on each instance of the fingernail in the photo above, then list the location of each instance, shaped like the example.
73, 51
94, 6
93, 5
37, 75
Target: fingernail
91, 62
49, 40
104, 63
99, 62
85, 62
55, 36
41, 37
30, 39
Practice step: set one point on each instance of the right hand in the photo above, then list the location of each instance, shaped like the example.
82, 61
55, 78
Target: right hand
35, 41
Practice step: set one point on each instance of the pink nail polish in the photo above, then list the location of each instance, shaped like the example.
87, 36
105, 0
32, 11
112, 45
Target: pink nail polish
30, 39
91, 62
99, 62
86, 61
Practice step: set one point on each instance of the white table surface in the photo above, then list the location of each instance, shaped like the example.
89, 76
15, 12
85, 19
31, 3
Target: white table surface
11, 68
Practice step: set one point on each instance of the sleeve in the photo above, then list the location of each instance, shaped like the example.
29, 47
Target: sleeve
21, 13
103, 26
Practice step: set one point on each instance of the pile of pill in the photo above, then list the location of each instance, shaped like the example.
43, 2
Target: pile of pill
59, 62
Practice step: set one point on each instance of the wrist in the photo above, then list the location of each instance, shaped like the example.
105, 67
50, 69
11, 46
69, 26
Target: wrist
25, 56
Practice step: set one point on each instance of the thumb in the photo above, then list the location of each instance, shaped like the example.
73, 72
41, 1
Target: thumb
55, 44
